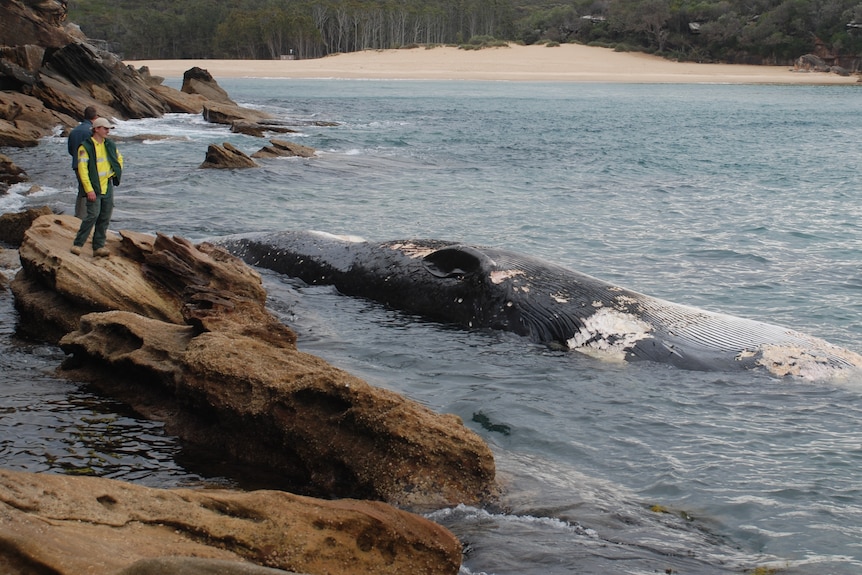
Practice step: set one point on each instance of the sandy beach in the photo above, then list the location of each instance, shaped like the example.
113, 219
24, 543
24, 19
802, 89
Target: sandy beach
564, 63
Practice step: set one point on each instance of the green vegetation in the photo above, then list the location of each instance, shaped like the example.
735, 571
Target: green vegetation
736, 31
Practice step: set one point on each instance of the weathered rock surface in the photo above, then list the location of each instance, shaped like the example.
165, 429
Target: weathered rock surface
42, 23
281, 148
811, 63
196, 566
13, 225
50, 61
227, 156
258, 129
219, 113
199, 81
10, 174
72, 525
24, 119
190, 342
102, 77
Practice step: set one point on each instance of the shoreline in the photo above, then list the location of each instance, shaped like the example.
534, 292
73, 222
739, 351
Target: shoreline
564, 63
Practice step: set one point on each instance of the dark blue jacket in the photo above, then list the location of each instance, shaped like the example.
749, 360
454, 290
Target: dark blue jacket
76, 137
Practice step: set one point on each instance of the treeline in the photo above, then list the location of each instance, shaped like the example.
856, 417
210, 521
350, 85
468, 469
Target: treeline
738, 31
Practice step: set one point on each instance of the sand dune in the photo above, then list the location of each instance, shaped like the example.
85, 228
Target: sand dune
565, 63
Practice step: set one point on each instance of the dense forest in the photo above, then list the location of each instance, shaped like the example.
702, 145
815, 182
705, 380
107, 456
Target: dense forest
734, 31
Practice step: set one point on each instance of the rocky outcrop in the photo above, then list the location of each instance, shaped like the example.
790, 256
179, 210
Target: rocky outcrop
52, 63
100, 76
258, 129
36, 22
188, 341
811, 63
226, 156
227, 114
10, 174
281, 148
179, 102
24, 119
14, 225
67, 525
199, 81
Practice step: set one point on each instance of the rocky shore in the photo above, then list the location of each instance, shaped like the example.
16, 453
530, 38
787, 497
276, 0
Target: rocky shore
180, 333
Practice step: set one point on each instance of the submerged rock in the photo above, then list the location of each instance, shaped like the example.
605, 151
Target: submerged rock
181, 333
72, 525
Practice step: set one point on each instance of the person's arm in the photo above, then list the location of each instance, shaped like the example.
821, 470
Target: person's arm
84, 173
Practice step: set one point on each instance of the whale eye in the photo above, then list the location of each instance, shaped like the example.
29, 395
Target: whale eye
456, 261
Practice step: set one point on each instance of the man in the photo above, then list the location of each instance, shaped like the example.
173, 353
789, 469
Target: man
100, 167
76, 137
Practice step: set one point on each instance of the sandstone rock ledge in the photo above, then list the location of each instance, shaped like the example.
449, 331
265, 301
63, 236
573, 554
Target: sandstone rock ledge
74, 525
180, 332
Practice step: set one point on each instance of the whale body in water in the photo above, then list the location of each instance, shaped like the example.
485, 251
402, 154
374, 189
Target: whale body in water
550, 304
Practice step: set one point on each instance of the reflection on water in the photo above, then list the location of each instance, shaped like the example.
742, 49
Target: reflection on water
49, 424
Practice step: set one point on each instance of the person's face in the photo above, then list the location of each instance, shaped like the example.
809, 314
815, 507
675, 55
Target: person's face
102, 131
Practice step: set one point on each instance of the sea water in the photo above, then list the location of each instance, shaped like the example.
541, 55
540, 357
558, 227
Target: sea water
739, 199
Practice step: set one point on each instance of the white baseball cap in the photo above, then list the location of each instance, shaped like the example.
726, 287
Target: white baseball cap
102, 123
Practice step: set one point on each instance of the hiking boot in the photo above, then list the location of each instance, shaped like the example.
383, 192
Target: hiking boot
76, 250
102, 253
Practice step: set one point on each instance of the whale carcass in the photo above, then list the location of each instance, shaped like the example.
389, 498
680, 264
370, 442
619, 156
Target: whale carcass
553, 305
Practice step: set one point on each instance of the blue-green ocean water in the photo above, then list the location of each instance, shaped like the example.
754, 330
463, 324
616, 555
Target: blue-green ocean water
740, 199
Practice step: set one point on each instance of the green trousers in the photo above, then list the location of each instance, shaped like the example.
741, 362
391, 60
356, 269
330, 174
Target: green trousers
98, 217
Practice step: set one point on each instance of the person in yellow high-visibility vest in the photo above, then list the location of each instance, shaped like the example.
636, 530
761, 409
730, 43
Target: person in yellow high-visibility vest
100, 167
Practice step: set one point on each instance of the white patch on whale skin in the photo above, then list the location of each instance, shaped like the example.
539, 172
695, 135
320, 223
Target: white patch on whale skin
610, 331
412, 250
559, 298
625, 300
499, 276
345, 238
815, 362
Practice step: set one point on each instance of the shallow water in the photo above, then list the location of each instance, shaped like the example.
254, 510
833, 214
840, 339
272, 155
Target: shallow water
741, 199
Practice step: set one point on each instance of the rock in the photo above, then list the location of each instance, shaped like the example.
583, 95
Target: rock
197, 566
190, 342
257, 129
148, 78
24, 119
811, 63
13, 225
226, 114
53, 63
9, 174
104, 78
40, 23
11, 135
9, 264
27, 58
179, 102
280, 148
199, 81
226, 157
72, 525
